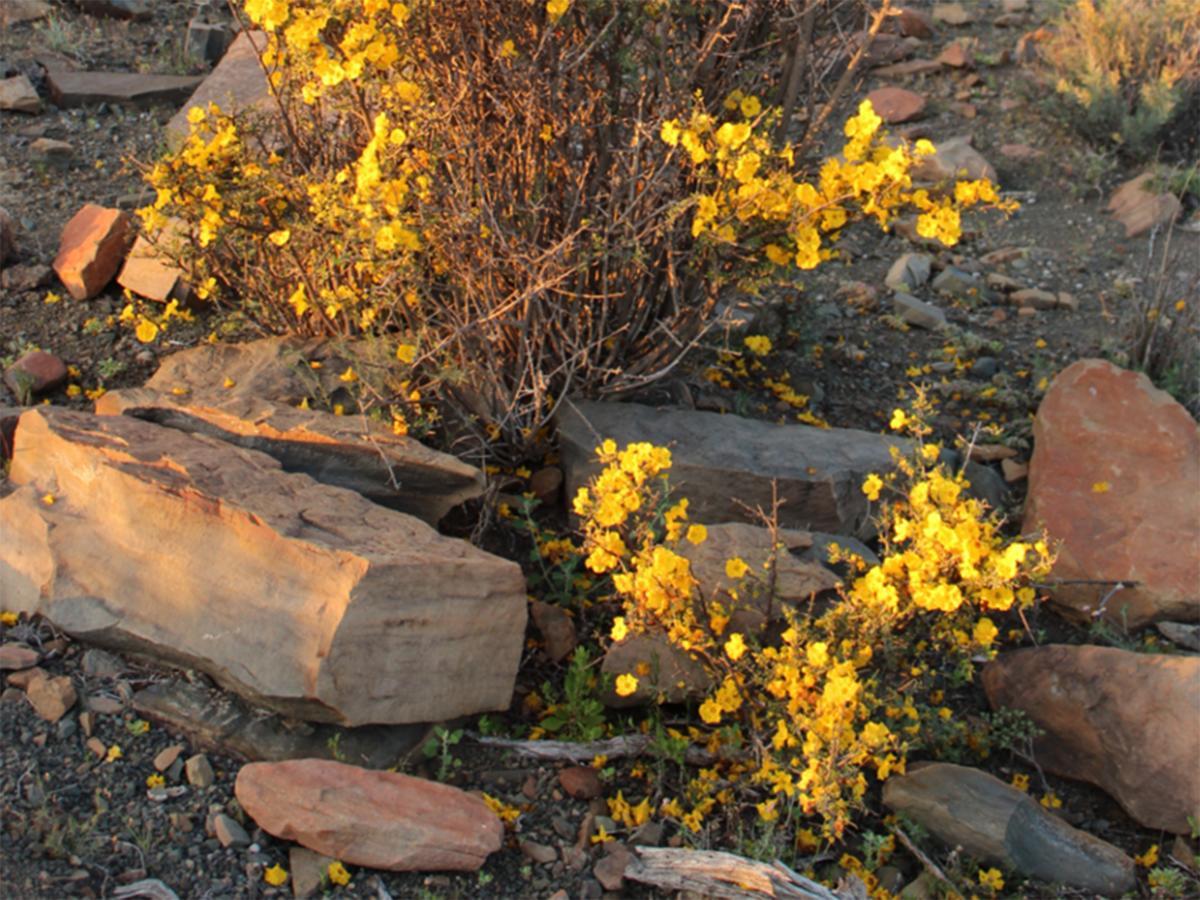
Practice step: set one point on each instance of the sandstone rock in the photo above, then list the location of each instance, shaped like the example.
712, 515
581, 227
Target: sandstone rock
917, 312
19, 12
237, 83
1114, 461
51, 697
35, 373
556, 627
914, 23
909, 68
1135, 206
910, 272
90, 251
383, 820
228, 832
995, 823
955, 158
717, 458
610, 870
17, 656
796, 580
149, 273
25, 677
956, 56
951, 14
199, 771
895, 105
660, 667
69, 89
269, 378
217, 720
303, 597
581, 782
137, 10
50, 150
24, 277
307, 870
19, 95
542, 854
1013, 471
166, 758
1035, 297
1123, 721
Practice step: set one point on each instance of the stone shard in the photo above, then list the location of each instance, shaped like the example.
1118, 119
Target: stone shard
670, 671
955, 158
1113, 482
91, 249
303, 597
69, 89
149, 273
382, 820
267, 378
1123, 721
1138, 208
895, 105
237, 83
718, 459
19, 95
996, 823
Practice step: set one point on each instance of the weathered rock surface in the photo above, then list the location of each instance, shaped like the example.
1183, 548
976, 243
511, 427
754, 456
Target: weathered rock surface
383, 820
17, 656
895, 105
303, 597
258, 412
996, 823
1126, 722
150, 274
51, 697
1136, 206
556, 627
18, 12
955, 157
1113, 479
35, 373
916, 312
660, 667
238, 82
19, 95
909, 272
69, 89
717, 459
91, 248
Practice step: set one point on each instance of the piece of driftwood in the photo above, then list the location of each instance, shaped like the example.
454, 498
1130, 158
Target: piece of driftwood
151, 888
711, 873
566, 751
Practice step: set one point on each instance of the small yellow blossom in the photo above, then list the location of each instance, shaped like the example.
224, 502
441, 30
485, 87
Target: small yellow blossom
619, 629
276, 875
1149, 858
626, 685
872, 486
146, 331
337, 873
155, 781
349, 375
758, 344
280, 237
735, 647
406, 353
991, 879
8, 619
1020, 781
736, 567
1101, 487
697, 534
899, 419
114, 753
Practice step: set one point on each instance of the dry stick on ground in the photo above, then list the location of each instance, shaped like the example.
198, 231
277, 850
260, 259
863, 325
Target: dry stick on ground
569, 751
930, 866
711, 873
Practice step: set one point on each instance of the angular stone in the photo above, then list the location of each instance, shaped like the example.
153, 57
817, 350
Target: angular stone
149, 273
308, 871
1035, 297
35, 373
51, 697
717, 458
958, 283
136, 10
1184, 634
1115, 462
1013, 471
956, 56
17, 656
199, 771
382, 820
909, 272
206, 42
19, 95
914, 22
24, 277
660, 668
166, 758
258, 413
917, 312
610, 870
237, 83
556, 627
1135, 206
228, 832
542, 854
951, 14
91, 248
1120, 720
581, 782
996, 823
895, 105
69, 89
955, 158
909, 68
19, 12
303, 597
25, 677
51, 150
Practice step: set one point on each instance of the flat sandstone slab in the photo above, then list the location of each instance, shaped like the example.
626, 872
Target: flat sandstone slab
305, 598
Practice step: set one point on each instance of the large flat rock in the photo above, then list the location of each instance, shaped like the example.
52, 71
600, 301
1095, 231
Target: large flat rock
236, 83
1115, 480
1127, 722
69, 88
258, 411
719, 460
302, 597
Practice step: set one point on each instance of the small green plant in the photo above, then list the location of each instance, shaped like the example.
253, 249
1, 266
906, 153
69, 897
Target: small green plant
1165, 881
334, 745
110, 367
578, 715
441, 747
1011, 730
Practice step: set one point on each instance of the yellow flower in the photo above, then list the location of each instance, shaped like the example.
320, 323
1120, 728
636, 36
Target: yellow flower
1101, 487
735, 647
710, 712
619, 630
349, 376
508, 50
406, 353
751, 107
899, 419
557, 9
758, 344
985, 632
155, 781
146, 331
337, 873
670, 132
736, 567
1149, 858
276, 875
228, 382
48, 499
279, 238
114, 753
1020, 781
601, 836
52, 297
991, 878
872, 486
697, 534
8, 619
626, 685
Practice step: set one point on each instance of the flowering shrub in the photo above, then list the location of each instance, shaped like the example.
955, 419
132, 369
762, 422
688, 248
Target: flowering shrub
805, 709
522, 199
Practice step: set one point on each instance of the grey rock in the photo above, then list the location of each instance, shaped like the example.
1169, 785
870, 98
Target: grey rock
823, 543
70, 89
101, 664
994, 822
229, 832
958, 283
18, 94
1184, 634
199, 771
910, 272
917, 312
985, 367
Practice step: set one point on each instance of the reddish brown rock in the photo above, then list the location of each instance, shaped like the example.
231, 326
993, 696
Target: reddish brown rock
660, 668
90, 251
581, 782
51, 697
955, 158
382, 820
149, 273
909, 68
236, 83
895, 105
914, 23
35, 373
1135, 205
1112, 481
956, 56
17, 656
25, 677
18, 95
18, 12
1013, 471
1124, 721
69, 89
556, 627
303, 597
